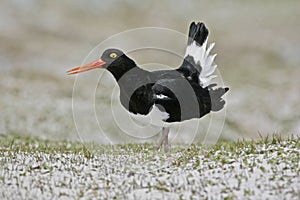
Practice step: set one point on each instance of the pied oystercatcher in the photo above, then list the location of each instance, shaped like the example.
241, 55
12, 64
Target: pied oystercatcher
167, 96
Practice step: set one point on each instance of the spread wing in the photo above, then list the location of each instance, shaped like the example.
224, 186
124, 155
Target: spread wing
198, 63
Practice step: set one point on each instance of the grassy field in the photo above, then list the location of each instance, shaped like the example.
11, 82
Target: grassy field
41, 169
257, 44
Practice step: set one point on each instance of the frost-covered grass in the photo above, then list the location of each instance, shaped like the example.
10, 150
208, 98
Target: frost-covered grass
258, 58
39, 169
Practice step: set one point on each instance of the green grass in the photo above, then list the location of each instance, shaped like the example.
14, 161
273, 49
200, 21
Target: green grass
31, 167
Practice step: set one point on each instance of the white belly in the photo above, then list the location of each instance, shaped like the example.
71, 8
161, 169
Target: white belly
155, 117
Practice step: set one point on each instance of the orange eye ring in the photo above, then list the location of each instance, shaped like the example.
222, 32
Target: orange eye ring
113, 55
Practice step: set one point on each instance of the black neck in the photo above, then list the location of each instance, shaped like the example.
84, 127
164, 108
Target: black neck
121, 66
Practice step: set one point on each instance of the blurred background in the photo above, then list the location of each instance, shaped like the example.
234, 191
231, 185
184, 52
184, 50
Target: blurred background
258, 46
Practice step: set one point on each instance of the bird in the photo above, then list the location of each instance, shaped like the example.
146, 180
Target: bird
169, 96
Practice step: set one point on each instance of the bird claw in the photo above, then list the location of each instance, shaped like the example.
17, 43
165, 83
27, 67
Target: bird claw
166, 148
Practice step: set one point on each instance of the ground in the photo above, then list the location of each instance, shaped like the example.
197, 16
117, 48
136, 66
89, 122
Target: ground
32, 168
257, 44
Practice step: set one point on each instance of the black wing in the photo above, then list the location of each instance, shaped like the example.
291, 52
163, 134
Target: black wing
182, 99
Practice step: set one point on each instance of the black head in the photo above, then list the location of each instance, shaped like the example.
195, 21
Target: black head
117, 62
112, 56
114, 60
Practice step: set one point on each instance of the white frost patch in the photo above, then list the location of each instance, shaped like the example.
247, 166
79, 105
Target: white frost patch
267, 172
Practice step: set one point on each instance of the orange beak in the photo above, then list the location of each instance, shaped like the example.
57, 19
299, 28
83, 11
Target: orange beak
93, 65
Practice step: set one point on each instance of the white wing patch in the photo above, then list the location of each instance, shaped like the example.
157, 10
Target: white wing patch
161, 96
202, 57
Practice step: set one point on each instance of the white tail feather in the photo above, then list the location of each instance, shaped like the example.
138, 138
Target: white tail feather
211, 46
209, 71
202, 57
